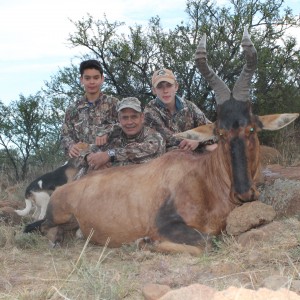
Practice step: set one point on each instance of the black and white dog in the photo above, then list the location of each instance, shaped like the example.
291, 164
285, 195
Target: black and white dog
38, 191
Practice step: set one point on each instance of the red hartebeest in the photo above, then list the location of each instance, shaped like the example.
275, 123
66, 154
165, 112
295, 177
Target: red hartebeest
180, 197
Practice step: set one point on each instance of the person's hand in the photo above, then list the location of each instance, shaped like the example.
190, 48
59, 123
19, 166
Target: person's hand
74, 151
188, 144
101, 140
98, 160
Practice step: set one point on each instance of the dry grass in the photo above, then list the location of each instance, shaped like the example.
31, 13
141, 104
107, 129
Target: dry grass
288, 143
30, 269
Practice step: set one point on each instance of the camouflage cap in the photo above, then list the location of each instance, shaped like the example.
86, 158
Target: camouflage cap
130, 102
163, 75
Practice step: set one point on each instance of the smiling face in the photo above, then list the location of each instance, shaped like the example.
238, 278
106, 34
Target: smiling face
166, 92
92, 81
131, 121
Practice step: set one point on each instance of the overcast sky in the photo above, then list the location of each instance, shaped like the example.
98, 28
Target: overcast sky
34, 34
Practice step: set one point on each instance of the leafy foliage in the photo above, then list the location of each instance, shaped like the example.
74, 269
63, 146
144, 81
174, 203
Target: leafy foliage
129, 56
28, 134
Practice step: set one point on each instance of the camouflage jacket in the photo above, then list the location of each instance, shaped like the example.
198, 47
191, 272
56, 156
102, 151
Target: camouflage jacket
84, 121
187, 116
147, 145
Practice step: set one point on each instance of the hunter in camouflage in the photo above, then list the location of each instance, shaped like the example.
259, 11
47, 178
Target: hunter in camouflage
145, 146
187, 116
170, 114
93, 114
129, 142
85, 120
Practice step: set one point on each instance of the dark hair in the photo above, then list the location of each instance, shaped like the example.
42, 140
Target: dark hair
90, 64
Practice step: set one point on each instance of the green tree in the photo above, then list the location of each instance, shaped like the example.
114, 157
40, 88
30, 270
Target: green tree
130, 55
28, 134
29, 130
63, 88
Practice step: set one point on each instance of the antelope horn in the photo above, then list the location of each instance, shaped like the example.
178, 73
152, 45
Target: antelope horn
241, 89
221, 90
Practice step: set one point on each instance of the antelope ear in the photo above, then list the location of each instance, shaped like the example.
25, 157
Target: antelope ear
202, 133
278, 121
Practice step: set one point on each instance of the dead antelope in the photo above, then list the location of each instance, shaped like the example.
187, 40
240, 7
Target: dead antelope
181, 197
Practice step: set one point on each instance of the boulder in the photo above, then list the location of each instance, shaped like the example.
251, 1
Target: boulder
202, 292
281, 189
249, 215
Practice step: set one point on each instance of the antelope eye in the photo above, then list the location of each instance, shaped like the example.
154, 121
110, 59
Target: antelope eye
251, 129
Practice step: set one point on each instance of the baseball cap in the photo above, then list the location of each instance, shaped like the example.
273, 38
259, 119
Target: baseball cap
130, 102
163, 75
